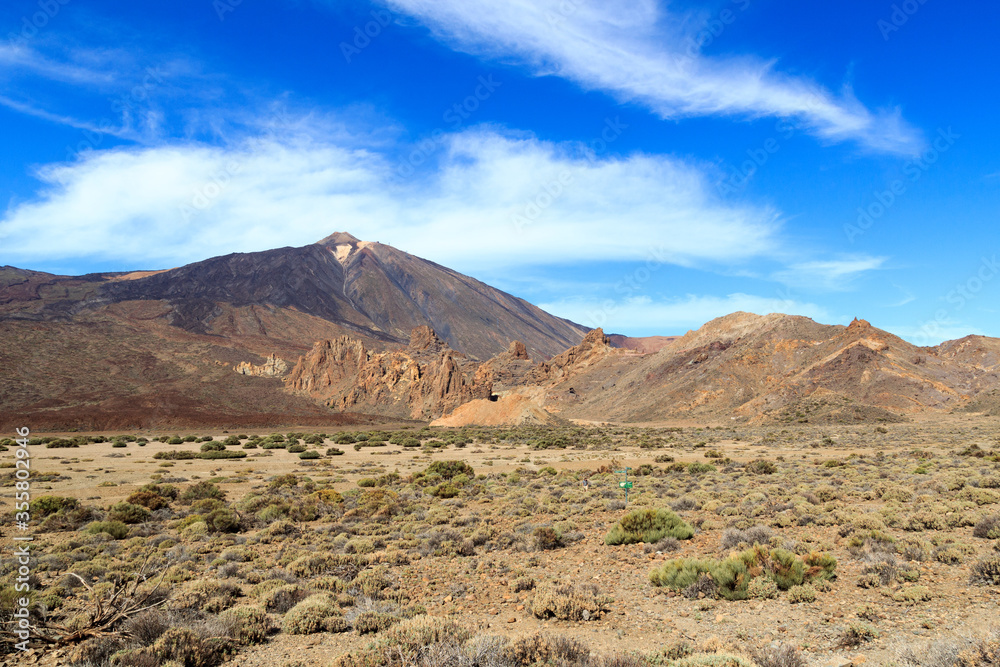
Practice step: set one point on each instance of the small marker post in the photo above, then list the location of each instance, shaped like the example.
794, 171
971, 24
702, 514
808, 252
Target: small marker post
625, 484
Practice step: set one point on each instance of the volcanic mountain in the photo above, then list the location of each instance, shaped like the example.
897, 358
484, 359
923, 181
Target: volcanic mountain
148, 347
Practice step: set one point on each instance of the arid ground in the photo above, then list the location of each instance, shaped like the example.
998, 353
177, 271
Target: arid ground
369, 556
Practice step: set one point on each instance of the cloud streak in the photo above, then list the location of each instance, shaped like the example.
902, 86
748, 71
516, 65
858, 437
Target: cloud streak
640, 51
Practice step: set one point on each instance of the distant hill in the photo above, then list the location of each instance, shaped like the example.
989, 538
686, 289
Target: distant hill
781, 369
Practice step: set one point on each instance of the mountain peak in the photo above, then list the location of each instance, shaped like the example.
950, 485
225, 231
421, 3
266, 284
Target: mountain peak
339, 238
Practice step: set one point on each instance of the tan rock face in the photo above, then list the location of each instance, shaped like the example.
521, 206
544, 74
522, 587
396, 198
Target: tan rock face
272, 367
423, 381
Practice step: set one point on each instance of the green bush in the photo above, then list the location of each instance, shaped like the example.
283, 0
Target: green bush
334, 451
175, 455
203, 489
128, 513
116, 529
43, 506
223, 454
732, 575
699, 468
213, 447
310, 454
449, 469
223, 520
648, 526
296, 449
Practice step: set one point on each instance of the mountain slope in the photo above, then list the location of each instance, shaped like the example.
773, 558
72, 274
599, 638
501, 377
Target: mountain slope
777, 368
159, 345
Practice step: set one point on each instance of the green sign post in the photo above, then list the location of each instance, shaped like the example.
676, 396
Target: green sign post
625, 484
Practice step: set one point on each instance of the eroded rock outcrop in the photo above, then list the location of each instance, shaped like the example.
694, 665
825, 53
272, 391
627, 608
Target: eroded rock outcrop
272, 367
425, 380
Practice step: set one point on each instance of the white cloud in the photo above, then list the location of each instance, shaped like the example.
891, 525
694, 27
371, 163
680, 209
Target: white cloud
638, 50
833, 274
641, 314
163, 206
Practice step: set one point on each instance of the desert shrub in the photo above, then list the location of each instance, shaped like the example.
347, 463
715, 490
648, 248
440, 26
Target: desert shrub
541, 649
223, 520
450, 469
180, 646
986, 571
733, 575
224, 454
148, 626
175, 455
803, 593
444, 491
206, 595
281, 596
520, 584
116, 529
368, 622
310, 454
761, 467
988, 528
733, 537
569, 603
43, 506
128, 513
700, 468
250, 625
203, 489
648, 526
334, 451
762, 588
213, 447
547, 538
778, 656
296, 449
703, 587
148, 499
410, 636
912, 594
858, 633
663, 546
317, 613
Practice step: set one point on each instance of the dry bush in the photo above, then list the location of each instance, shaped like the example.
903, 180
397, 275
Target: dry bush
317, 613
986, 571
778, 656
548, 650
988, 528
569, 603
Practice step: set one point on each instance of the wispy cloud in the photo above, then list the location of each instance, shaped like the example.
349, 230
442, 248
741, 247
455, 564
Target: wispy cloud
642, 51
642, 315
171, 204
831, 274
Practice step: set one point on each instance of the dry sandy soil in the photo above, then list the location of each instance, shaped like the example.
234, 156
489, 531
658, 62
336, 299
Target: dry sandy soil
915, 491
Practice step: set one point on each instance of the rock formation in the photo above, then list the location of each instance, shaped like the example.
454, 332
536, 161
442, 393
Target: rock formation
272, 367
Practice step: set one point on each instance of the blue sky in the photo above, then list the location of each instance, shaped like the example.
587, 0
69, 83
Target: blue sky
641, 165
